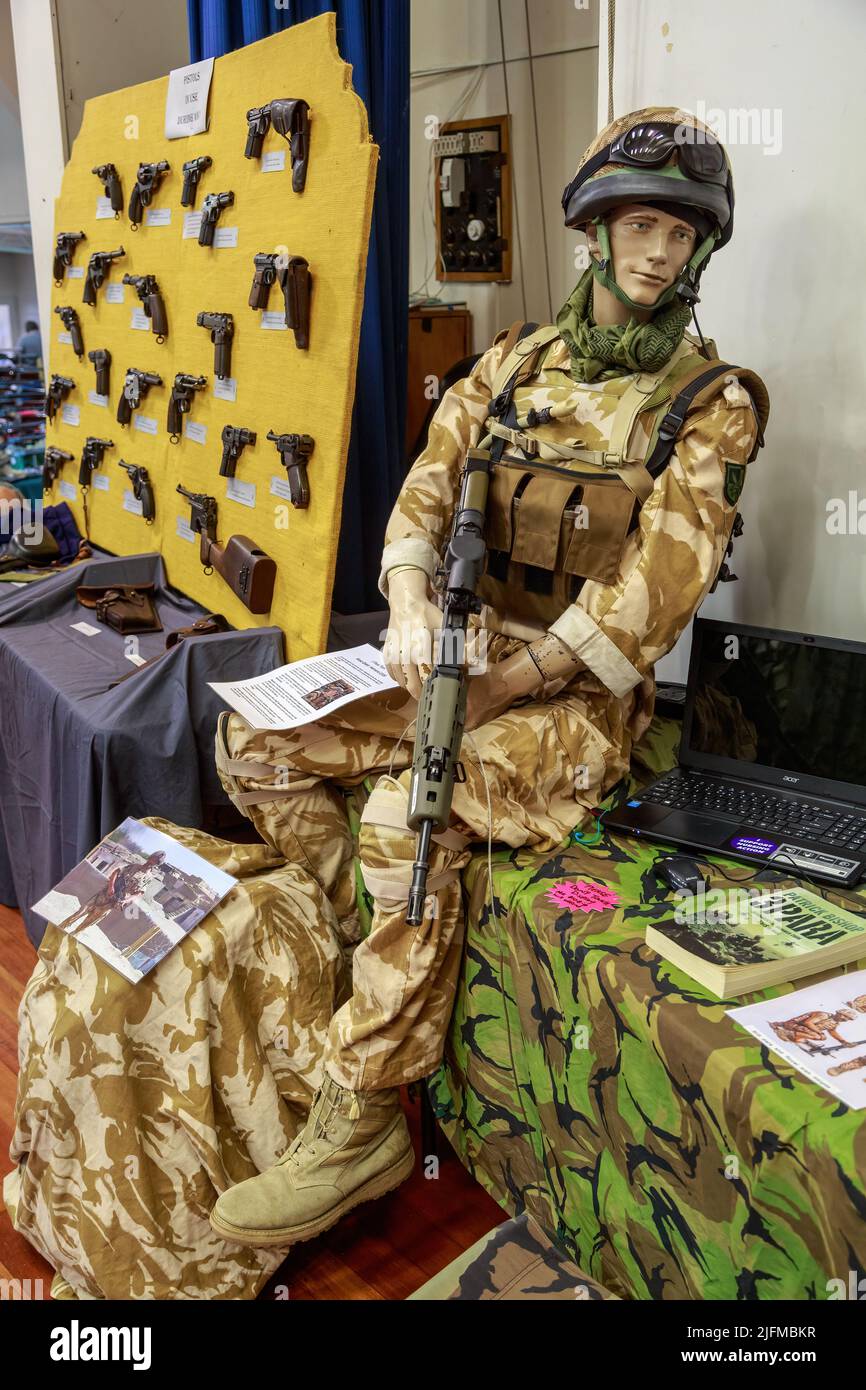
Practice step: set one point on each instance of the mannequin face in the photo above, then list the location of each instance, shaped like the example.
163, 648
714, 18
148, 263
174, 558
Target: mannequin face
649, 249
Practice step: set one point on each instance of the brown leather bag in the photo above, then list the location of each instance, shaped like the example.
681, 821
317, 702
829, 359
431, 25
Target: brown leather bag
124, 607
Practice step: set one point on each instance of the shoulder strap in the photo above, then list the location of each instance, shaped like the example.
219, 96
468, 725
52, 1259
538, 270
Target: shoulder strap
526, 340
697, 387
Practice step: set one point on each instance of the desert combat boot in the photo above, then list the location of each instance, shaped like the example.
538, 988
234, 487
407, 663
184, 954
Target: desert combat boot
355, 1146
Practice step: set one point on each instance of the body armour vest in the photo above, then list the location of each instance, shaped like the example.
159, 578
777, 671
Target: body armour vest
573, 462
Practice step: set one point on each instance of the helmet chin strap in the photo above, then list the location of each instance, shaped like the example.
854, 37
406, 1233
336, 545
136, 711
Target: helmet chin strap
685, 285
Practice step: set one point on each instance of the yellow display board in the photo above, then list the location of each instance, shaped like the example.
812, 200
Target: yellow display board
279, 386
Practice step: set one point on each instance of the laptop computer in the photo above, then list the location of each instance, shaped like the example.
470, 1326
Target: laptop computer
772, 763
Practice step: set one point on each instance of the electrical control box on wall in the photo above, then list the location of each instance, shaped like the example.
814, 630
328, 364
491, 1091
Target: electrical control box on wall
473, 200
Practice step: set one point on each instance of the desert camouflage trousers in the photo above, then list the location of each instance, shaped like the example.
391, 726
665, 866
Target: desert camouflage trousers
532, 776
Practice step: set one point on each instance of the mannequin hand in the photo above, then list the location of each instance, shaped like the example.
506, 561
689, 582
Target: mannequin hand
501, 686
409, 644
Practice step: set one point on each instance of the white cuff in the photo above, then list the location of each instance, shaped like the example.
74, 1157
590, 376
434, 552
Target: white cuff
603, 657
412, 550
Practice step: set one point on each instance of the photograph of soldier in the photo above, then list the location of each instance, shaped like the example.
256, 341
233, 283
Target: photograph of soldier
809, 1031
576, 617
324, 694
125, 883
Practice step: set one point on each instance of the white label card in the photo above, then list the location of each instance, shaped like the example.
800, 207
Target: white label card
70, 414
132, 504
272, 319
225, 236
99, 482
191, 225
157, 217
197, 433
64, 337
67, 490
140, 320
96, 399
75, 272
86, 628
273, 160
104, 208
136, 659
184, 530
280, 488
115, 294
186, 100
225, 390
145, 423
245, 493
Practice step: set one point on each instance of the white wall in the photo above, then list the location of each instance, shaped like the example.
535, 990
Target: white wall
454, 34
788, 295
13, 188
18, 290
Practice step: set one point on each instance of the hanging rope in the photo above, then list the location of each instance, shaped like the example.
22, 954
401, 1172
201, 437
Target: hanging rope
611, 27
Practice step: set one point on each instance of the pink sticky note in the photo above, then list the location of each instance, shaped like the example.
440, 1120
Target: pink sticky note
579, 895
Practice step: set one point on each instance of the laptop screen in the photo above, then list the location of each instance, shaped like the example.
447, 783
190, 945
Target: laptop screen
781, 702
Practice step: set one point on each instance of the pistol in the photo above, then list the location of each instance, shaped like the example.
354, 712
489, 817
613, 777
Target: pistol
442, 706
135, 388
258, 121
181, 400
101, 359
192, 172
71, 322
290, 117
149, 178
148, 292
264, 276
110, 180
210, 214
296, 285
52, 464
141, 488
97, 269
91, 457
235, 439
248, 571
58, 389
64, 250
222, 330
295, 451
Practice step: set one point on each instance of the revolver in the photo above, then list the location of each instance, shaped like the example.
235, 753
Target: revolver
264, 276
58, 389
52, 464
71, 322
110, 179
222, 329
141, 488
181, 400
258, 123
291, 118
192, 172
97, 269
295, 451
91, 457
64, 250
135, 388
149, 178
210, 214
235, 439
296, 284
101, 359
148, 292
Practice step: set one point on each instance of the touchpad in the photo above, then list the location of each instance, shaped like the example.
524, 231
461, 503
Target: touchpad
683, 825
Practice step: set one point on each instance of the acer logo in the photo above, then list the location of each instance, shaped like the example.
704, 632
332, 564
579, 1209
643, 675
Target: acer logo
790, 779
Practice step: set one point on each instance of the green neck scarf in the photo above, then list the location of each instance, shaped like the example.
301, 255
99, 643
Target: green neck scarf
601, 351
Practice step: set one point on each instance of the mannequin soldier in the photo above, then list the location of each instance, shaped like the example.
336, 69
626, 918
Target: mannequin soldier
620, 451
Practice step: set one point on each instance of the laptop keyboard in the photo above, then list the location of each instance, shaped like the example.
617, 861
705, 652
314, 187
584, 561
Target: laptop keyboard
760, 810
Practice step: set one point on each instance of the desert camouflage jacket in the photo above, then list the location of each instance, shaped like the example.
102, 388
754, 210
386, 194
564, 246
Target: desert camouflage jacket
668, 556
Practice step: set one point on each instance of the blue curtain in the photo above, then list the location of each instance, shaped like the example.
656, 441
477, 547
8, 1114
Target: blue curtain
372, 35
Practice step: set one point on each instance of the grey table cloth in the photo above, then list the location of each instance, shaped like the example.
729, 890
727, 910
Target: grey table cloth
77, 756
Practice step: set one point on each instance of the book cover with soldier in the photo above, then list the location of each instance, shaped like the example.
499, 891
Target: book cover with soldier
134, 896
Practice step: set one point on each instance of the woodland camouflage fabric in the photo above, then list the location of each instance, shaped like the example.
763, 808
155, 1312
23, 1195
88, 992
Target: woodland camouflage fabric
139, 1104
594, 1086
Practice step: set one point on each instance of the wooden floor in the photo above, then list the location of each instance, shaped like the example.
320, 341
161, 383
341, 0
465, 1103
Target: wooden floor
385, 1250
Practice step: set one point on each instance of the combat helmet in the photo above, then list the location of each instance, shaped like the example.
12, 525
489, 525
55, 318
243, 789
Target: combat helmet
666, 158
